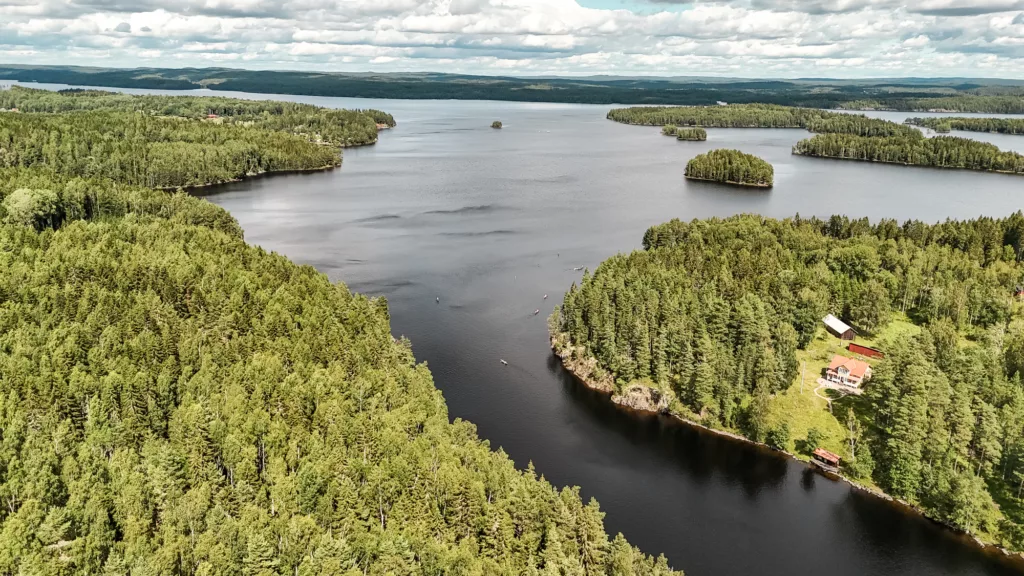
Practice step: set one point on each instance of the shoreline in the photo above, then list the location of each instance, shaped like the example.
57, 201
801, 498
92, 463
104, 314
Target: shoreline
605, 386
730, 182
264, 174
1006, 172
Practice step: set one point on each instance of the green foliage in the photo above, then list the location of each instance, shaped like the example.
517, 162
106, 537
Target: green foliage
778, 437
860, 126
945, 124
940, 151
731, 166
669, 130
496, 124
971, 103
336, 127
715, 309
691, 134
730, 116
175, 401
153, 151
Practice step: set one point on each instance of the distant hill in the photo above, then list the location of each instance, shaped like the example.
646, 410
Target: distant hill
821, 93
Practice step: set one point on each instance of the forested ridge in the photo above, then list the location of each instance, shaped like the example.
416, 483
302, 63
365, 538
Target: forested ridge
973, 103
175, 401
732, 167
712, 314
998, 125
153, 151
940, 151
337, 127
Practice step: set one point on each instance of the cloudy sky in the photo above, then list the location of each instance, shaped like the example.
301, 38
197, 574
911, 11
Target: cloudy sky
748, 38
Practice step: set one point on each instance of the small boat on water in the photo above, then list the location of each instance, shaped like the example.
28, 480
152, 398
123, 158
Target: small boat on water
545, 296
577, 269
438, 299
537, 311
505, 363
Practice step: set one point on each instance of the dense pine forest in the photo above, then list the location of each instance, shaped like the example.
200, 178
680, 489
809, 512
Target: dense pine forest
731, 167
940, 151
324, 125
998, 125
153, 151
175, 401
689, 134
715, 317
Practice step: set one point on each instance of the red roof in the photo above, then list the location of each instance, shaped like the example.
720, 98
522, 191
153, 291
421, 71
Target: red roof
826, 456
857, 368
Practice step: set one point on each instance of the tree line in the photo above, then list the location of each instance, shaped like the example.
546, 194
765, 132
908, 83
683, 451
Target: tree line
970, 103
711, 314
153, 151
729, 116
175, 401
945, 124
940, 151
322, 125
732, 167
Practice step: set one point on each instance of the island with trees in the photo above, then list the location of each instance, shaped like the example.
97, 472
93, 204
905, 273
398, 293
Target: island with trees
176, 401
914, 150
496, 124
728, 116
719, 322
692, 134
995, 125
731, 167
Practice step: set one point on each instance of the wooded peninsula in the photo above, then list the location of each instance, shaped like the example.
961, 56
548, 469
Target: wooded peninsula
173, 141
731, 167
176, 401
996, 125
940, 151
713, 320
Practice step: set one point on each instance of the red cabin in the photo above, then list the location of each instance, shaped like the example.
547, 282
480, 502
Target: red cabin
825, 460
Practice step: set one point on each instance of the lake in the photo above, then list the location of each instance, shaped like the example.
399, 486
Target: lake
490, 221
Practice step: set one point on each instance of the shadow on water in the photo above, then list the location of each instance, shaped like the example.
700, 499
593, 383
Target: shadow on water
700, 454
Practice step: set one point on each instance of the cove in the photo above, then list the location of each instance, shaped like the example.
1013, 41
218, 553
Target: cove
490, 221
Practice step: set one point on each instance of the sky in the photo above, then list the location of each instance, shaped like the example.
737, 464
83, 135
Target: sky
734, 38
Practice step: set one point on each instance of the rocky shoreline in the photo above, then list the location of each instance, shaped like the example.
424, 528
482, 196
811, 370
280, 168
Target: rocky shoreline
645, 399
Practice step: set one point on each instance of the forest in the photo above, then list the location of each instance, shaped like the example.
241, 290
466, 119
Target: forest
731, 167
689, 134
998, 125
323, 125
175, 401
971, 95
729, 116
980, 103
712, 314
154, 151
916, 150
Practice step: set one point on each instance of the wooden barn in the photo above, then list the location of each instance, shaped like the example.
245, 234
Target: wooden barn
865, 351
838, 328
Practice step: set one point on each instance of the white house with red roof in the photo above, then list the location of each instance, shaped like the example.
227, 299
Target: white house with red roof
847, 371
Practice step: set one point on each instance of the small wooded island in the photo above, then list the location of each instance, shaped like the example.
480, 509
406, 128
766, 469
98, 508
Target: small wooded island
731, 167
496, 124
684, 133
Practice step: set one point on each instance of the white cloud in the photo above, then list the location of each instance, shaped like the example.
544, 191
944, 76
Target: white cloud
754, 38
